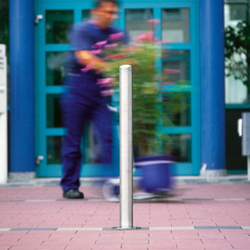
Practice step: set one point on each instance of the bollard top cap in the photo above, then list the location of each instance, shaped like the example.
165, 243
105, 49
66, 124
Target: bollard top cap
125, 66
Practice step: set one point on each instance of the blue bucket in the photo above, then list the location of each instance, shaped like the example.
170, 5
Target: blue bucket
156, 172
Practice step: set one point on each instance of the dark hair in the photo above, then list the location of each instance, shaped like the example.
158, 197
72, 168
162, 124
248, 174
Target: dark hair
97, 3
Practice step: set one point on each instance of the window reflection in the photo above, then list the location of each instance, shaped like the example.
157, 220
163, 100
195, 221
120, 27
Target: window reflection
57, 24
178, 145
176, 25
236, 91
176, 67
54, 149
85, 15
237, 11
54, 118
176, 109
136, 21
93, 144
54, 68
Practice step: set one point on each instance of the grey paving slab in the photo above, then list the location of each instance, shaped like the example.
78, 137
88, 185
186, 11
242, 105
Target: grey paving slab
218, 227
33, 229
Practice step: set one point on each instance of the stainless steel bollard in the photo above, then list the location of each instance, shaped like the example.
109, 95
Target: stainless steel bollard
126, 151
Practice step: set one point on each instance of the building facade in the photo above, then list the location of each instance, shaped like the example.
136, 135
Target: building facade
195, 30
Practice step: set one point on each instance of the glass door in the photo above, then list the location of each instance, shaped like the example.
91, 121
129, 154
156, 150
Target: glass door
51, 47
179, 25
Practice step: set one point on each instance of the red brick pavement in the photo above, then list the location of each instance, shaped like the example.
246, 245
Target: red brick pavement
204, 216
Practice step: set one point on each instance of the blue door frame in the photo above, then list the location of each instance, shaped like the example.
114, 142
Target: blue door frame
44, 169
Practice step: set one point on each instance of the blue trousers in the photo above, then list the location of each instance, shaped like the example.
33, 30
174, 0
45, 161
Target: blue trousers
81, 103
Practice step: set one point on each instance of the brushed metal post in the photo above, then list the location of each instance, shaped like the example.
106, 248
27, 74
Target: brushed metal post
126, 152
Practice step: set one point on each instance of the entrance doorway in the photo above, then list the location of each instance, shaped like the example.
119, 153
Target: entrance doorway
179, 24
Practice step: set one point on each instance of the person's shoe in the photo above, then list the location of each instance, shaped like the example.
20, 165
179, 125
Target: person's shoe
73, 194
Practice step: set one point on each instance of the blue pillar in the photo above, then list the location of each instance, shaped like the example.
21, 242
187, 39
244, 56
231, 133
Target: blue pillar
22, 124
212, 87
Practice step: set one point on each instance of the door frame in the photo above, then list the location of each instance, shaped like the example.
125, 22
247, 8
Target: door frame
54, 170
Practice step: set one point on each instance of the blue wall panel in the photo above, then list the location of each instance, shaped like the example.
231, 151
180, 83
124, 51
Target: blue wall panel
22, 127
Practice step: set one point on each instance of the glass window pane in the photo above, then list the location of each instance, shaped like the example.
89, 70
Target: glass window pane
54, 149
136, 21
54, 118
85, 15
57, 24
54, 68
236, 92
176, 109
176, 67
178, 145
176, 25
235, 12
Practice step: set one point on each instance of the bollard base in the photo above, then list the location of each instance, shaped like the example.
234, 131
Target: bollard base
123, 229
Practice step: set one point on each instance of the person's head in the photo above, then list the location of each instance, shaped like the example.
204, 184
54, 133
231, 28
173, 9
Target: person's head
105, 12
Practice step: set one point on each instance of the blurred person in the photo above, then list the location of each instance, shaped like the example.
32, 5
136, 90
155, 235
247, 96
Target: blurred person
86, 96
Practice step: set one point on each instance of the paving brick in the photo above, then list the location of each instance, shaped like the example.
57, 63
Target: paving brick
159, 235
10, 237
162, 242
135, 234
184, 234
113, 246
210, 234
133, 247
240, 243
5, 246
203, 221
181, 222
235, 233
189, 243
33, 246
161, 248
217, 244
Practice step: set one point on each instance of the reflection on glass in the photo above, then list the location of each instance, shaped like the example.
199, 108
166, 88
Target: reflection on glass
136, 21
236, 12
57, 24
178, 145
54, 149
176, 109
54, 118
176, 67
85, 15
176, 25
54, 68
93, 145
236, 92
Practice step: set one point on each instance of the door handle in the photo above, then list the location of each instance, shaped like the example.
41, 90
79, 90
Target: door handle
39, 158
38, 18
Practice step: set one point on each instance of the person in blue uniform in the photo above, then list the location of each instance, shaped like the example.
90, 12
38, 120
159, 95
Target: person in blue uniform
85, 98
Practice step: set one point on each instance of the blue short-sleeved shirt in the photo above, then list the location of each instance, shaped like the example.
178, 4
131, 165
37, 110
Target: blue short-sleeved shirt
89, 36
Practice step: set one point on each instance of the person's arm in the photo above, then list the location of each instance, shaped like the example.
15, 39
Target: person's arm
86, 58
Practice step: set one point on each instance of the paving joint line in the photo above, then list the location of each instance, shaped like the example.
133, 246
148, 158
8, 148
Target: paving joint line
135, 201
134, 228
